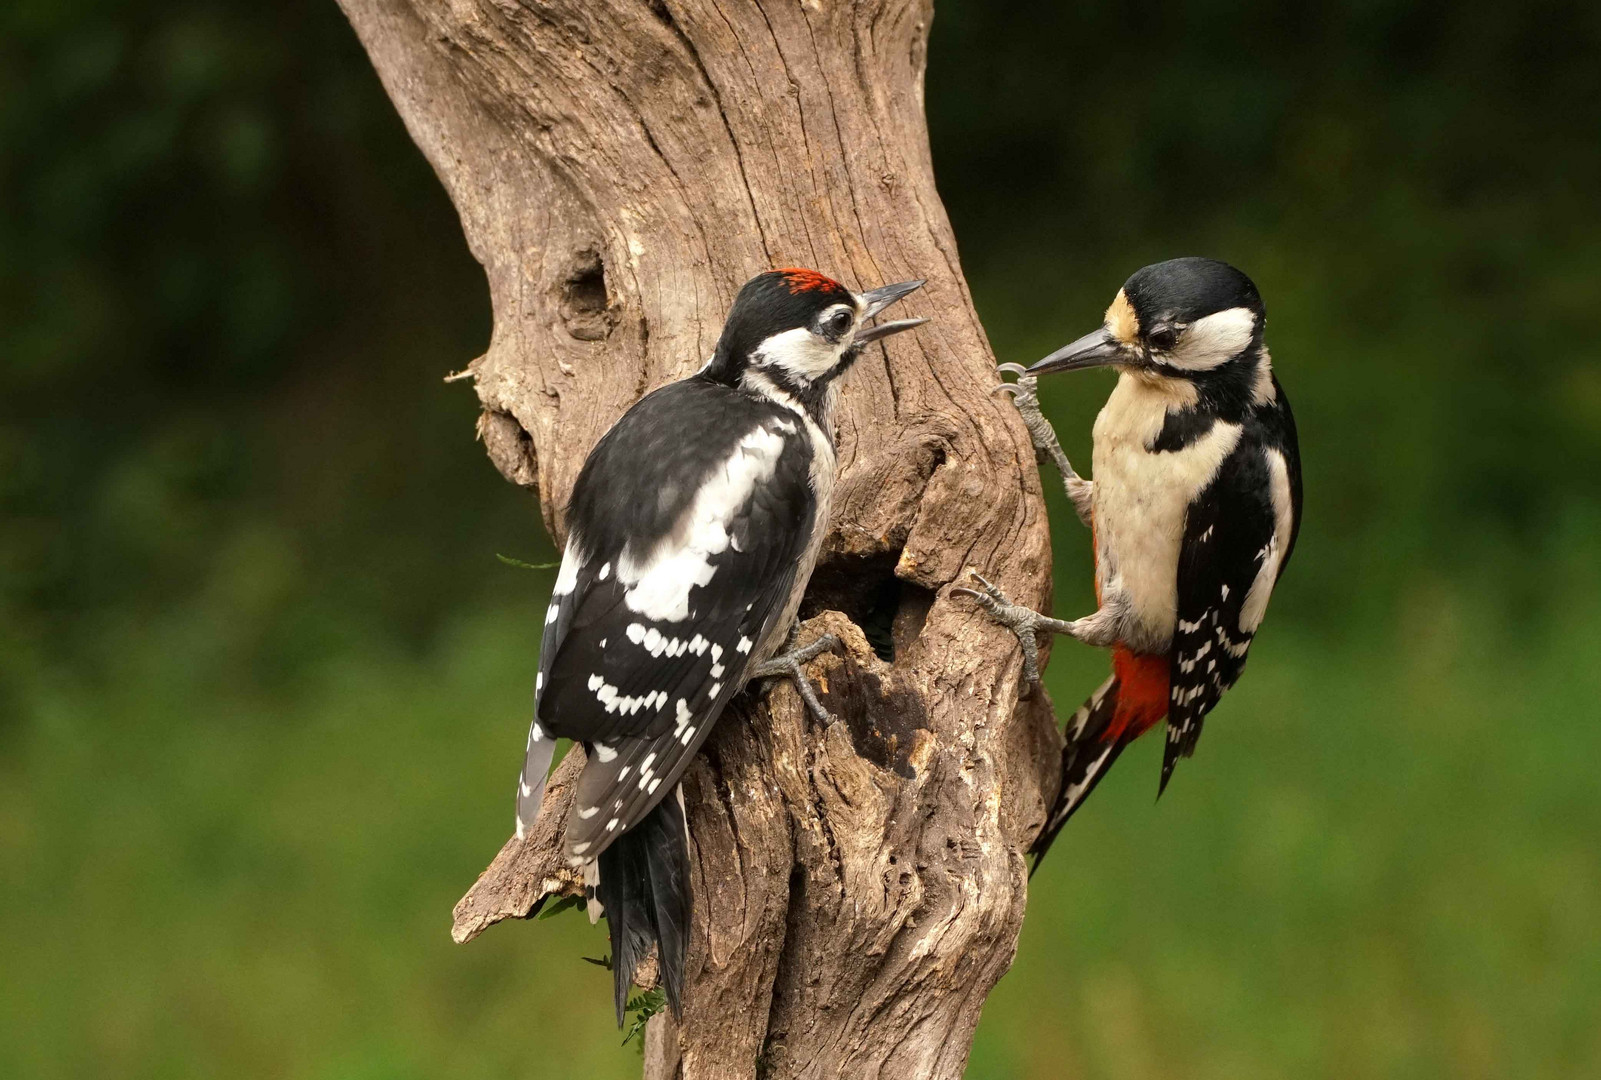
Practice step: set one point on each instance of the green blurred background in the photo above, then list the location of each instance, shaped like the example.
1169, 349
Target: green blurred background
263, 684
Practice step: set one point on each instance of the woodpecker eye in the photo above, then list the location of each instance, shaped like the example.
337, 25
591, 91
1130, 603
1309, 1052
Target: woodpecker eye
1164, 338
838, 323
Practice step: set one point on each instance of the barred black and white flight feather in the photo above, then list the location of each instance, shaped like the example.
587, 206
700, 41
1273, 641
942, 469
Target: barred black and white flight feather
1087, 756
1238, 536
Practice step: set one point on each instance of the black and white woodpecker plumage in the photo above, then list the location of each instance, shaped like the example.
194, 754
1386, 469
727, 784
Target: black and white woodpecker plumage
692, 531
1194, 506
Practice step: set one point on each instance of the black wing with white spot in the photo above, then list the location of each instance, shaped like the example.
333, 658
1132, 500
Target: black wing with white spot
1232, 553
658, 612
541, 743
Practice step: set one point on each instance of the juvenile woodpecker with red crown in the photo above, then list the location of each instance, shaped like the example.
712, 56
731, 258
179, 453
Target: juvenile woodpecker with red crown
692, 532
1194, 507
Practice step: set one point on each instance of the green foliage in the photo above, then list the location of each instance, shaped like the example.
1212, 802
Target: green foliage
519, 564
263, 695
643, 1006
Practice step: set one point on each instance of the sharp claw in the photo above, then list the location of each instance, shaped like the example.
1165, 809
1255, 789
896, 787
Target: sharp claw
1012, 369
789, 666
1007, 388
992, 597
963, 590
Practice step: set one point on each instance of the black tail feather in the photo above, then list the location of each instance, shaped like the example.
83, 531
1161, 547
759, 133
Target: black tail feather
644, 889
1180, 744
1086, 758
668, 860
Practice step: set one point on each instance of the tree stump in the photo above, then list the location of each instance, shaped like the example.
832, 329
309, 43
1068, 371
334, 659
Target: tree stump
621, 167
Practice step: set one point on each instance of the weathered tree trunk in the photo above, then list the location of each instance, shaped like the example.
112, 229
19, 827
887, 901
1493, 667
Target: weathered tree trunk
621, 167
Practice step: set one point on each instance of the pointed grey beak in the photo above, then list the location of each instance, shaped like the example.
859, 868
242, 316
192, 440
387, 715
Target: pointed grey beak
882, 297
1095, 349
877, 300
885, 329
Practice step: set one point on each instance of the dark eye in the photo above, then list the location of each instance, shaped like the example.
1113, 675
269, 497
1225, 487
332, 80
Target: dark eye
1164, 338
839, 322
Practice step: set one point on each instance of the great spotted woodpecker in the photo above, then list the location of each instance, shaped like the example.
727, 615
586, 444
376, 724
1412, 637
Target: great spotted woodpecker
692, 531
1195, 506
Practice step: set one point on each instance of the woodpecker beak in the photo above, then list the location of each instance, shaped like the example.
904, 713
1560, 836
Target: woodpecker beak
882, 297
1096, 349
885, 329
876, 300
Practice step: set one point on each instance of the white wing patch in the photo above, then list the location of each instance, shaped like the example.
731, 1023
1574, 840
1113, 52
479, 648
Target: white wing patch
1272, 555
567, 576
658, 582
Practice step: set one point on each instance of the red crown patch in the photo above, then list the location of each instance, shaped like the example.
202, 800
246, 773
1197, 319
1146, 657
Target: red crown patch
800, 280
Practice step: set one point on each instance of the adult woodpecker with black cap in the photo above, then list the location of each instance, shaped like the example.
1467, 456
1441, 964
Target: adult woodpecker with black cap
1194, 507
692, 531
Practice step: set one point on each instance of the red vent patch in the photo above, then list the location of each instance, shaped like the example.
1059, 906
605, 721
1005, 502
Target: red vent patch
1142, 690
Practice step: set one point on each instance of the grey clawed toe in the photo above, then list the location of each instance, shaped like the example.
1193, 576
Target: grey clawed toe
788, 665
1025, 623
1046, 445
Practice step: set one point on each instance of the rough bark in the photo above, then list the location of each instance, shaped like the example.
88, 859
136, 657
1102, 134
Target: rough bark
621, 167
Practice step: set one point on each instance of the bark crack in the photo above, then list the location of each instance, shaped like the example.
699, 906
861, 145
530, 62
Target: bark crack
722, 112
800, 113
828, 93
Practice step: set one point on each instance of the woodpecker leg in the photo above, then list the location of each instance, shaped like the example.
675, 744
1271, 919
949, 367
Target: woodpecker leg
789, 663
1100, 629
1025, 622
1025, 397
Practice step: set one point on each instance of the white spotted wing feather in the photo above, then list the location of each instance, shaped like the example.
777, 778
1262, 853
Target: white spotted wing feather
1236, 537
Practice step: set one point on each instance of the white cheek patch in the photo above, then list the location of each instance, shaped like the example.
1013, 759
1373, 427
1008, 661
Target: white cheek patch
800, 354
1214, 340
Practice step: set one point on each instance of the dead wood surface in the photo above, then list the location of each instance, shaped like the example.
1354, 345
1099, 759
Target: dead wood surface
620, 168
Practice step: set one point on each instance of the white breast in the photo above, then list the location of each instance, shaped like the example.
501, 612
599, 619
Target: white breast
1141, 499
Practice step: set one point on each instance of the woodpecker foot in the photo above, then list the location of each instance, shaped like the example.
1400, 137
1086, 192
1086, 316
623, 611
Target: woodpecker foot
1025, 397
788, 664
1026, 623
